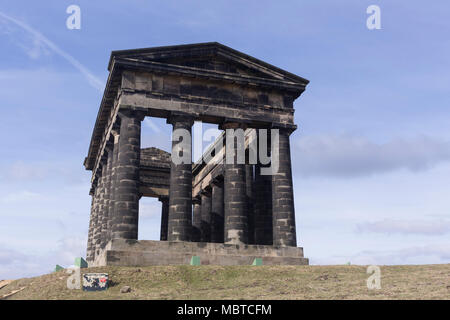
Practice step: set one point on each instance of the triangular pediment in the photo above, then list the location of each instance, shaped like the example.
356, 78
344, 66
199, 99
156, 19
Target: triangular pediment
211, 56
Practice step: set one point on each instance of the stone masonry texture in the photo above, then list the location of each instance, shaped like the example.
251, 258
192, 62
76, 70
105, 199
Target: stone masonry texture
125, 224
180, 196
227, 213
196, 220
217, 211
284, 233
113, 190
235, 197
263, 208
164, 218
205, 223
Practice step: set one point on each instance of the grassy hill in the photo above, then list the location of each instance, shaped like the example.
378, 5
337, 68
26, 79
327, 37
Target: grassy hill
245, 282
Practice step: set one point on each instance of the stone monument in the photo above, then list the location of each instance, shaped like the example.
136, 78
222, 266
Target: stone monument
224, 213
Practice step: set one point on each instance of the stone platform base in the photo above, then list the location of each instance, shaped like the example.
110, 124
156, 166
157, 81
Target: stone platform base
121, 252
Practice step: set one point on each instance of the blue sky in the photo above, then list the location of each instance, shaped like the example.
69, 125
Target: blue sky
371, 157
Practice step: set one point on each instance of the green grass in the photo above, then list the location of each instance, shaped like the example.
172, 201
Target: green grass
246, 282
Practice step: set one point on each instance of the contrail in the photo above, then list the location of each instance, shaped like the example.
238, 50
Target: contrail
92, 79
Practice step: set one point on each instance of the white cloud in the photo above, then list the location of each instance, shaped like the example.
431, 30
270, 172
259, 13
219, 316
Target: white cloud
21, 196
68, 249
391, 226
439, 253
39, 171
25, 171
353, 156
16, 264
149, 208
10, 257
429, 254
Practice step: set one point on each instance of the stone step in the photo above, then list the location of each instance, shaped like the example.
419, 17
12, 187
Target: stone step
193, 248
134, 258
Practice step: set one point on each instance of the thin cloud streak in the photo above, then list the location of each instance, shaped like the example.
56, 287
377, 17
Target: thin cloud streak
39, 37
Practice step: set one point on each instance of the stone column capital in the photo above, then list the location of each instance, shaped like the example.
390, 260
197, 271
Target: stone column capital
103, 159
129, 113
180, 117
109, 147
115, 130
217, 182
206, 191
196, 200
285, 129
163, 198
233, 124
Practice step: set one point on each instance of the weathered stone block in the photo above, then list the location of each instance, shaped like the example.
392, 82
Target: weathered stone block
121, 252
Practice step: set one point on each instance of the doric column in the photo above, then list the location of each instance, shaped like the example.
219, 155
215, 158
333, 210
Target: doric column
263, 207
235, 213
180, 197
217, 209
125, 225
196, 220
104, 204
94, 220
249, 194
112, 198
98, 212
90, 250
205, 224
282, 193
164, 218
107, 197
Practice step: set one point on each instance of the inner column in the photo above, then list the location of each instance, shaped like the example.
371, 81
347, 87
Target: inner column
95, 223
263, 207
235, 197
112, 199
205, 224
164, 218
217, 208
89, 251
107, 194
250, 208
99, 210
196, 220
180, 197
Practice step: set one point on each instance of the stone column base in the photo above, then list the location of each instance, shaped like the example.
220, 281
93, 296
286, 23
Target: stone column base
121, 252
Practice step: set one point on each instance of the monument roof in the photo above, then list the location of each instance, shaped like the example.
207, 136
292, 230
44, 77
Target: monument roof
208, 50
